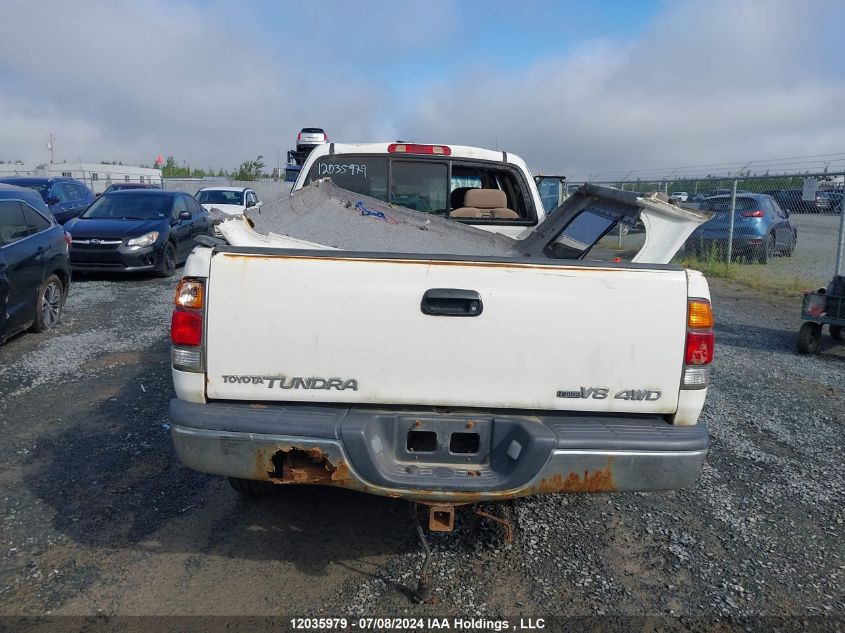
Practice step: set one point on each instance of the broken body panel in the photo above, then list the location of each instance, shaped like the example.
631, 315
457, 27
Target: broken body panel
324, 216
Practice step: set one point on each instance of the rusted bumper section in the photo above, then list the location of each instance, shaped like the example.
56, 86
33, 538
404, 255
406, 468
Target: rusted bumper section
322, 450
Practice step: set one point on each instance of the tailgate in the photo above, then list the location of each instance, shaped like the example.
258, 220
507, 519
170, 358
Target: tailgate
311, 326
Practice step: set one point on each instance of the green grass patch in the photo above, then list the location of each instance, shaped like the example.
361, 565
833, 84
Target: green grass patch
757, 276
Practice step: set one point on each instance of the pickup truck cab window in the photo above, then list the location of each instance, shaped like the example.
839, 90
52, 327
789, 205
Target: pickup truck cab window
366, 175
420, 185
432, 185
468, 177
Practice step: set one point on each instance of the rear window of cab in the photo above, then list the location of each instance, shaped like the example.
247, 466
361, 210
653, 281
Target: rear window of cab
438, 186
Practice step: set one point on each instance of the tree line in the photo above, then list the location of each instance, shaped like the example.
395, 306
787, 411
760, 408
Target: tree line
248, 170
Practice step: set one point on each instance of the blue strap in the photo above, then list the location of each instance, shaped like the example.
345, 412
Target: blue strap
379, 215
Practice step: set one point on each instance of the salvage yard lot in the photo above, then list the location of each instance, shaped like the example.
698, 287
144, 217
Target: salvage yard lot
98, 515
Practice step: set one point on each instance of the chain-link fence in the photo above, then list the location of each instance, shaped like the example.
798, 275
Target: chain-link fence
784, 232
267, 190
99, 182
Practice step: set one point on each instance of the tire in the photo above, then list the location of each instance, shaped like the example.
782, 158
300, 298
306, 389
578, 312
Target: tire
809, 337
791, 248
49, 304
767, 250
253, 488
836, 333
167, 265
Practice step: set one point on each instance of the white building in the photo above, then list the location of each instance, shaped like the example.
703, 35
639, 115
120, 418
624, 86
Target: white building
96, 176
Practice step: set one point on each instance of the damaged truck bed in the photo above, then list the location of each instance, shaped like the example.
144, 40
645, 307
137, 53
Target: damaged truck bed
325, 216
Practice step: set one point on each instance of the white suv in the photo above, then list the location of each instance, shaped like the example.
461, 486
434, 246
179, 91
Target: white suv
229, 200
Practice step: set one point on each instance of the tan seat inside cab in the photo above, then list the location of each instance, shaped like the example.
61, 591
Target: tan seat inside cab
485, 204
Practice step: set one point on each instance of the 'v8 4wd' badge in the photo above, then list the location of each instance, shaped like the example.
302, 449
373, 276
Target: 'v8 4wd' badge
601, 393
638, 394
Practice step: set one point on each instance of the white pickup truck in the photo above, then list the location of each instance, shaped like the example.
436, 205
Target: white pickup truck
450, 376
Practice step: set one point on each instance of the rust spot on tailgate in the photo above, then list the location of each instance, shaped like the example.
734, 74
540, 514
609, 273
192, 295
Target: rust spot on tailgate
586, 481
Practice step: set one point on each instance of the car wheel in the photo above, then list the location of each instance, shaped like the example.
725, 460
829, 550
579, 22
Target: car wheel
791, 248
167, 265
253, 488
767, 250
48, 307
836, 333
809, 337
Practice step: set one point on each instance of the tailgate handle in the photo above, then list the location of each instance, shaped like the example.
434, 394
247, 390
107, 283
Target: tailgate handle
451, 302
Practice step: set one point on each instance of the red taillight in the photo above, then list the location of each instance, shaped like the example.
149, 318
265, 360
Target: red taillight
413, 148
186, 328
699, 348
299, 136
752, 214
325, 137
698, 352
700, 339
68, 239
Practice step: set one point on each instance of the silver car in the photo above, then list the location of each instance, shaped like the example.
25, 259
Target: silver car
309, 138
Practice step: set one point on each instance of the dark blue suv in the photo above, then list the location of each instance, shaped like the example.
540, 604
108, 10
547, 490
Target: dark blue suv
762, 228
66, 197
34, 263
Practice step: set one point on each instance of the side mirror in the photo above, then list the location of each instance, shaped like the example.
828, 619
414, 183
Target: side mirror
97, 195
53, 200
250, 203
185, 215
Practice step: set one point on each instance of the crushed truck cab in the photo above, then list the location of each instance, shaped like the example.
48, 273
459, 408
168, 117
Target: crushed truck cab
348, 341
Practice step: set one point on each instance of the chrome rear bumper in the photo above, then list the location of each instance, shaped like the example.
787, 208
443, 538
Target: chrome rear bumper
366, 450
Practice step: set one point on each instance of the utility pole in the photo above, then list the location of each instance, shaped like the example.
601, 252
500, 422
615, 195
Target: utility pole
50, 144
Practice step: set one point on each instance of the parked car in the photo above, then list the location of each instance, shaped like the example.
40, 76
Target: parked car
761, 230
695, 198
137, 230
35, 268
65, 197
229, 200
793, 201
727, 192
829, 201
309, 138
120, 186
679, 196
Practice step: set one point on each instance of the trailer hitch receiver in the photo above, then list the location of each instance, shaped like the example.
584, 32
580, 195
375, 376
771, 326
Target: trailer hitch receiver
441, 518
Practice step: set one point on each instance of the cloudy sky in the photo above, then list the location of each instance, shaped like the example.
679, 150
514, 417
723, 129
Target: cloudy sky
574, 88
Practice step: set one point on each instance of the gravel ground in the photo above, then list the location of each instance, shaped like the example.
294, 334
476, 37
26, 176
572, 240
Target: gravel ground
99, 518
